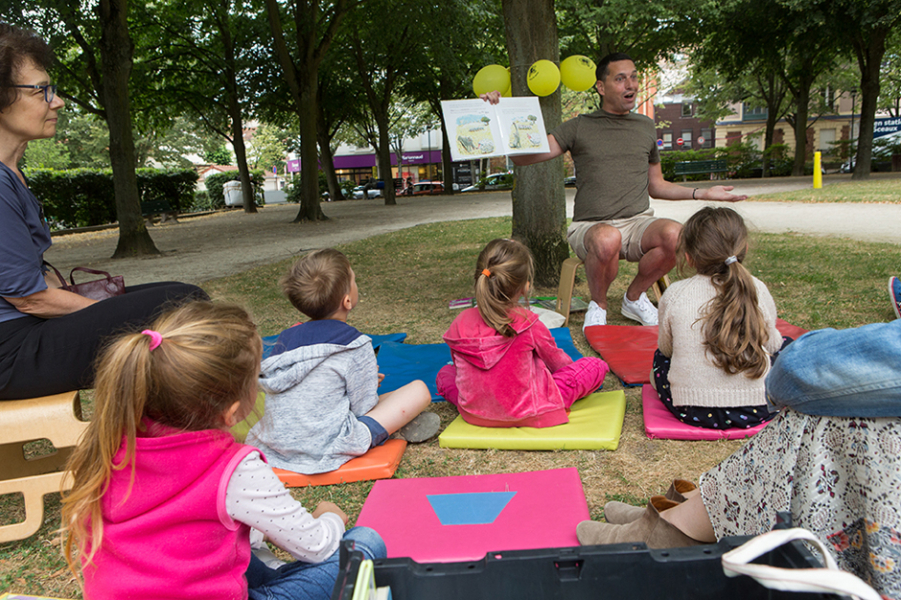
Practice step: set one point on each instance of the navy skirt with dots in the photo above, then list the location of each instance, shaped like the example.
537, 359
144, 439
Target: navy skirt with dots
741, 417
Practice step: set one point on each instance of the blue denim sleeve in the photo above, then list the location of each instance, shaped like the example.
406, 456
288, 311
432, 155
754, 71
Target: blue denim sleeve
840, 373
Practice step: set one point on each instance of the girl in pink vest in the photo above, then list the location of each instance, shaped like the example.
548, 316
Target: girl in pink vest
508, 371
164, 502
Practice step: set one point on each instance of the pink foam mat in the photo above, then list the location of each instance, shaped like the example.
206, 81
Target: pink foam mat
513, 511
659, 423
629, 349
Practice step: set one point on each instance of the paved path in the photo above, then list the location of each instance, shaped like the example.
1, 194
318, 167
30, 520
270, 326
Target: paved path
202, 248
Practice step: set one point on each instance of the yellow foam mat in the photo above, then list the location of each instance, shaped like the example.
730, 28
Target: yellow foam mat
595, 423
240, 430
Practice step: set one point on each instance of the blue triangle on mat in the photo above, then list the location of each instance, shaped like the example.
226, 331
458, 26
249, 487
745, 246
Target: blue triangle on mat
478, 508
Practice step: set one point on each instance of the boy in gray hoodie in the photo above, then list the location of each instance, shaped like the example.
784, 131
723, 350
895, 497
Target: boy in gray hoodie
321, 379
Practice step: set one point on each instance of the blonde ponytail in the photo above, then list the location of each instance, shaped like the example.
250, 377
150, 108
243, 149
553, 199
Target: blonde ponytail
503, 270
735, 332
208, 358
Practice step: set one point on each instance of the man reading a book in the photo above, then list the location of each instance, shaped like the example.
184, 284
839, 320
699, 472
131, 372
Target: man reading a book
618, 167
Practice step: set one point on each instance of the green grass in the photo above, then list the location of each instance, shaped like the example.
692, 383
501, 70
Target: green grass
880, 190
406, 279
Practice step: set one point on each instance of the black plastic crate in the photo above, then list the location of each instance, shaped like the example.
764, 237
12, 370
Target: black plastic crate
618, 571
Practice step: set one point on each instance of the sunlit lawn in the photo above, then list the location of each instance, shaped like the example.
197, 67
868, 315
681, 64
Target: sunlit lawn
876, 190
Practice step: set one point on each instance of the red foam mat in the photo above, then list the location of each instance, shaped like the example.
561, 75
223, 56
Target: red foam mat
629, 349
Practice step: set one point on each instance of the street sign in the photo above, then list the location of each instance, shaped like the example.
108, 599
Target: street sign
679, 142
660, 143
701, 140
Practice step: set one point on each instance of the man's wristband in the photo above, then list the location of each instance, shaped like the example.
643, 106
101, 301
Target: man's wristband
693, 192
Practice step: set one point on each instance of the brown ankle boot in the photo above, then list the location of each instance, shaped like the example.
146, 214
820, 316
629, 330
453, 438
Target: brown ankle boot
620, 513
678, 488
649, 528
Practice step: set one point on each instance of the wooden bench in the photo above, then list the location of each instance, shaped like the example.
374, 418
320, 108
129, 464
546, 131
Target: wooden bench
701, 167
53, 418
158, 207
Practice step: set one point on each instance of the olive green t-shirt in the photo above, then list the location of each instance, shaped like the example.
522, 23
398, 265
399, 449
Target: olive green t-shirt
611, 154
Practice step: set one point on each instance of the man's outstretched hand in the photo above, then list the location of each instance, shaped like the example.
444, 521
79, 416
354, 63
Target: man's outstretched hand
720, 193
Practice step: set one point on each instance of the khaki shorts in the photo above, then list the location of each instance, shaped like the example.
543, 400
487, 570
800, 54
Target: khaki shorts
632, 230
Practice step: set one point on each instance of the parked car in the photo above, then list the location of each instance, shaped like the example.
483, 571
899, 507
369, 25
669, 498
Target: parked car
498, 181
570, 181
428, 187
373, 192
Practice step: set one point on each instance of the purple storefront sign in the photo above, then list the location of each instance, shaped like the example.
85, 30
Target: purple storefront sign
367, 161
424, 157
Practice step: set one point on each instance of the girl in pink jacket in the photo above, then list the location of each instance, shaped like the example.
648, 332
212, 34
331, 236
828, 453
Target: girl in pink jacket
507, 370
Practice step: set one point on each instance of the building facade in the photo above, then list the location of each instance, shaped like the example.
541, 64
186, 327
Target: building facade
678, 127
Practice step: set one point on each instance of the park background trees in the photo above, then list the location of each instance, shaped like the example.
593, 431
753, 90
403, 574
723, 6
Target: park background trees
319, 72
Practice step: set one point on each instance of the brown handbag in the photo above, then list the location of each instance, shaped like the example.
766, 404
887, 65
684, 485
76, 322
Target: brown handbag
98, 289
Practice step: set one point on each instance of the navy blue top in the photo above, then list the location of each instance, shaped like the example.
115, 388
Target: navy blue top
24, 237
324, 331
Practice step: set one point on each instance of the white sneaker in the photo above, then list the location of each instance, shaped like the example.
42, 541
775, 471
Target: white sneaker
594, 316
641, 310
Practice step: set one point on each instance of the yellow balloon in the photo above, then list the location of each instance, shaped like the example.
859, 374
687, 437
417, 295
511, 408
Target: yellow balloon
491, 78
508, 93
543, 78
578, 73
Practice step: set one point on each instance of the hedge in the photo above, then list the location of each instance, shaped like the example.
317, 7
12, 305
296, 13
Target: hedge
744, 160
84, 197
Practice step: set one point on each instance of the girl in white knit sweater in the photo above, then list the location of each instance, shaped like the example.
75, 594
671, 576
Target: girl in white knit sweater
717, 329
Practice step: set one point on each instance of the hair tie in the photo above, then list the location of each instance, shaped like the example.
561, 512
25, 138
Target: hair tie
156, 338
731, 260
486, 272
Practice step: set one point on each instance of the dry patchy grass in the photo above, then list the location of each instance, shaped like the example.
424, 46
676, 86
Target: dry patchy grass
406, 279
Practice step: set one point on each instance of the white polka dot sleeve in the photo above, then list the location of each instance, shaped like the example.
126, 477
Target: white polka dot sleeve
256, 497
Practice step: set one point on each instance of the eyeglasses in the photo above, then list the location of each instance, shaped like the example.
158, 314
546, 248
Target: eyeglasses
49, 90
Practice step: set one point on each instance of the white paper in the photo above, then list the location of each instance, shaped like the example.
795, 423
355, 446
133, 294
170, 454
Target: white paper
478, 129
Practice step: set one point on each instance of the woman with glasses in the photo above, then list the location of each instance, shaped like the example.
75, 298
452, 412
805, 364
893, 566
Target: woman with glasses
48, 336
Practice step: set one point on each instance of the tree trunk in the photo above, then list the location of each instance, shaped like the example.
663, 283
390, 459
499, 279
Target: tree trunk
384, 154
250, 205
116, 50
774, 97
447, 164
302, 80
310, 210
768, 136
539, 205
234, 110
328, 166
326, 158
802, 108
869, 58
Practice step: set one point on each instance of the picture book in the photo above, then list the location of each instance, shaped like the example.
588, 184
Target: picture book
480, 130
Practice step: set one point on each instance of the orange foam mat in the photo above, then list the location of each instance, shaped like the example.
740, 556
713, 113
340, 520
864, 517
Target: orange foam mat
379, 463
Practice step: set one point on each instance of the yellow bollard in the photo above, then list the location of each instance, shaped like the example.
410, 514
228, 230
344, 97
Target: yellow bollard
817, 172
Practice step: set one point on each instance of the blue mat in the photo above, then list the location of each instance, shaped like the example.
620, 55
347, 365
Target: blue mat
403, 363
377, 340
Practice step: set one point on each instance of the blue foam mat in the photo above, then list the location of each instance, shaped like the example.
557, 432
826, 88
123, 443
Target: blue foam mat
377, 340
403, 363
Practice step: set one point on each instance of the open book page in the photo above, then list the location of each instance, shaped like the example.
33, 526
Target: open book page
481, 130
522, 126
